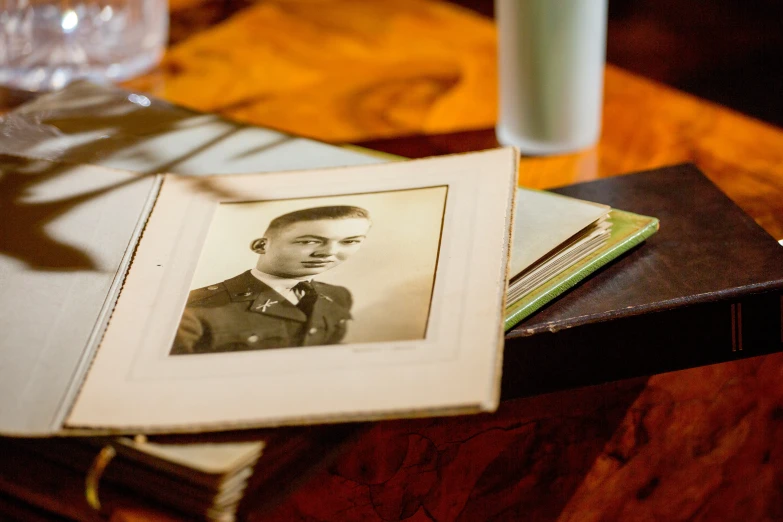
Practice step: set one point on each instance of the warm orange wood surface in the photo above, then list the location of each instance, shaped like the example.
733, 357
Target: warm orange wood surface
354, 70
339, 70
701, 444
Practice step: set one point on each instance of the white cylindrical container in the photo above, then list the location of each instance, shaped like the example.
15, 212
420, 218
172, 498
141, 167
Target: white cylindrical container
551, 64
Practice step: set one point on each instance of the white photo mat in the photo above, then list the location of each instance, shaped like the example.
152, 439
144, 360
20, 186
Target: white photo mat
135, 385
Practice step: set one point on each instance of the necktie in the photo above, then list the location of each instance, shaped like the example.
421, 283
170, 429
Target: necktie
307, 296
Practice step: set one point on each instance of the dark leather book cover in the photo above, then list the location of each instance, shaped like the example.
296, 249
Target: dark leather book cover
705, 289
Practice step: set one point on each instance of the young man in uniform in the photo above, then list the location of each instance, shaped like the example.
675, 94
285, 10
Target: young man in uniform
277, 304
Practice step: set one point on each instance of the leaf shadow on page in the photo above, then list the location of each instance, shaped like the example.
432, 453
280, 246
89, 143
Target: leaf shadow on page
24, 228
40, 144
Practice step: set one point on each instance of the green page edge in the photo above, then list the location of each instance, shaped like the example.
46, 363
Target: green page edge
628, 230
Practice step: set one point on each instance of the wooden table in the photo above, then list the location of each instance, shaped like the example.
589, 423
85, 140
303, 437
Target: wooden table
418, 76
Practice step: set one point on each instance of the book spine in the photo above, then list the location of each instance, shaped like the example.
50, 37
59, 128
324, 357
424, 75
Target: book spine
634, 346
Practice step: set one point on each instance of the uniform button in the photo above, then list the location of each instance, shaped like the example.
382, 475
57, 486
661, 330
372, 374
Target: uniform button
313, 331
342, 321
213, 287
252, 339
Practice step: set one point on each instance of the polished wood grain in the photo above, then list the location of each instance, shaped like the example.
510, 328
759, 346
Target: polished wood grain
356, 70
701, 444
339, 70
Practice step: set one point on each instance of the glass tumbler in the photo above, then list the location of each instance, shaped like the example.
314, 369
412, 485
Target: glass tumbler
45, 44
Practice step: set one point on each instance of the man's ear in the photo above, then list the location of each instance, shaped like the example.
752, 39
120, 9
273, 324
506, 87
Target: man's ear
258, 245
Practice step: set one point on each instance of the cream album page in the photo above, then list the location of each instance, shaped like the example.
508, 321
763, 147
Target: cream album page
313, 296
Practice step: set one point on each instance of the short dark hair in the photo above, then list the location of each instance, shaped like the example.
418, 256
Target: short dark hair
315, 214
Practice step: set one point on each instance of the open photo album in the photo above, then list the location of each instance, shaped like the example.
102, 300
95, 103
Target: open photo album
388, 293
298, 297
308, 297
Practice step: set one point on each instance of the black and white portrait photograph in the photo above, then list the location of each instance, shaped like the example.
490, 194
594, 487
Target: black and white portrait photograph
314, 272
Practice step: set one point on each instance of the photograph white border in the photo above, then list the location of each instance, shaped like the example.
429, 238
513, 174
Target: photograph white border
390, 276
133, 384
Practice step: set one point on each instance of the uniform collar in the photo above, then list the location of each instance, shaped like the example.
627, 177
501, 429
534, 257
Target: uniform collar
273, 281
266, 300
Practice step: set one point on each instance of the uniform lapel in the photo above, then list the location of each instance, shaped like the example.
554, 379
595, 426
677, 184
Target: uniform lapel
269, 302
326, 307
327, 316
328, 304
266, 301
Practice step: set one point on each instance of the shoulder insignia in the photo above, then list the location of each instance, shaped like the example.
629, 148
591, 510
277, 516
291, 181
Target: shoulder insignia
206, 294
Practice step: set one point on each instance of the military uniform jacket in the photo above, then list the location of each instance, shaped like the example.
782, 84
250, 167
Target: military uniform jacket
243, 313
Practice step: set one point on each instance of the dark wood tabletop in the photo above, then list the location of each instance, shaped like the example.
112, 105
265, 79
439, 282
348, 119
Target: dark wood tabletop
418, 77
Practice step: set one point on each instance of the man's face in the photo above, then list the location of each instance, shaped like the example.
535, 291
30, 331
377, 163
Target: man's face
307, 248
